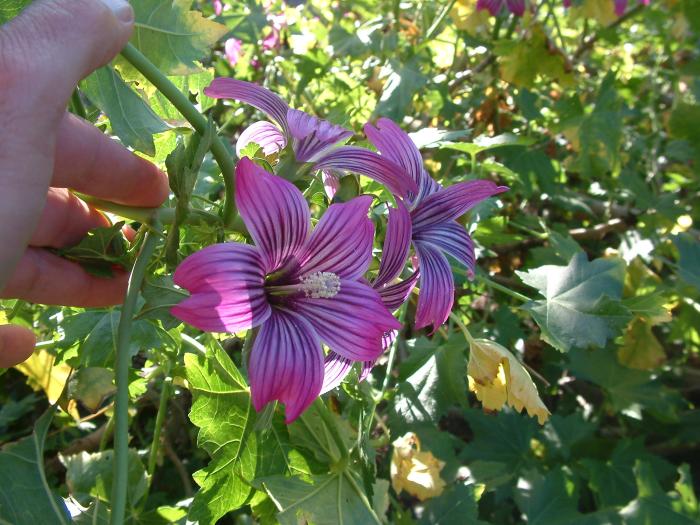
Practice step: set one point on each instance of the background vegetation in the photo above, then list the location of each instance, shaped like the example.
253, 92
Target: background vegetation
589, 274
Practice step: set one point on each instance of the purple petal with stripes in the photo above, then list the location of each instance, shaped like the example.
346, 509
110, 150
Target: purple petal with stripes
286, 364
394, 295
226, 286
257, 96
312, 136
450, 237
396, 245
452, 202
369, 164
341, 241
275, 212
437, 287
493, 6
264, 134
517, 7
395, 144
331, 183
335, 369
352, 323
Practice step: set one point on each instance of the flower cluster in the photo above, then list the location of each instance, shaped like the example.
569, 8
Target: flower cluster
300, 287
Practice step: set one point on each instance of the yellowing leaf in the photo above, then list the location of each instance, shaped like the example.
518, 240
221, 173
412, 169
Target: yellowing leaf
522, 62
42, 374
466, 17
415, 471
640, 348
497, 378
601, 10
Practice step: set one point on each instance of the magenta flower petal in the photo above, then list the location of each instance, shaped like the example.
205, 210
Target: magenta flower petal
452, 202
396, 245
437, 286
274, 211
341, 242
369, 164
226, 283
620, 6
257, 96
335, 369
395, 295
331, 183
264, 134
352, 323
286, 364
395, 144
517, 7
312, 136
450, 237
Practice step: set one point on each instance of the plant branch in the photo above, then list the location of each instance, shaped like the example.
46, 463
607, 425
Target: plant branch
194, 117
121, 372
587, 44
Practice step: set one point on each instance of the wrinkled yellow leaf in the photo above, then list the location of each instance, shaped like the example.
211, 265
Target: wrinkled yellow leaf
640, 348
415, 471
601, 10
466, 17
42, 374
497, 378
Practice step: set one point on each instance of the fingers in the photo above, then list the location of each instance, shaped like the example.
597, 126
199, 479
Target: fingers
16, 344
90, 162
65, 220
44, 52
42, 277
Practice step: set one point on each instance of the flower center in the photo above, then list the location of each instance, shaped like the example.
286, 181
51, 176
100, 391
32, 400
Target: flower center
321, 285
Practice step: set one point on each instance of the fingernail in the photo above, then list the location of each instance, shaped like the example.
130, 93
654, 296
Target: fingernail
121, 9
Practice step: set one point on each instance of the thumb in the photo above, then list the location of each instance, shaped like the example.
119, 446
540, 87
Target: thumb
48, 48
16, 345
44, 52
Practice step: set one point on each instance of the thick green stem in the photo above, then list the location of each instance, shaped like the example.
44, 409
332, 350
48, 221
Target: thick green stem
121, 373
194, 117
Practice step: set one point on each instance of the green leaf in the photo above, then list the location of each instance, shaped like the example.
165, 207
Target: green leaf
564, 432
689, 250
553, 500
403, 82
327, 500
172, 36
11, 8
653, 505
222, 411
192, 84
100, 249
582, 301
90, 386
629, 390
161, 295
90, 476
132, 120
456, 506
25, 496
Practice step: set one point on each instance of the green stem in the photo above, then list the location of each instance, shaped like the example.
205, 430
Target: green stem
149, 216
160, 417
194, 117
462, 327
492, 284
121, 373
438, 20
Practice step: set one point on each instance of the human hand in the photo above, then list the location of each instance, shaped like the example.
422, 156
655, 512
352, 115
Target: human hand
44, 151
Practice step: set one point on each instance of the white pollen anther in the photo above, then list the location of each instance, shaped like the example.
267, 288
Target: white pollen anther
321, 285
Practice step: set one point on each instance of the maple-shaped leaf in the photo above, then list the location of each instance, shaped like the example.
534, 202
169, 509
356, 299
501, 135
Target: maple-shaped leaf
172, 36
582, 304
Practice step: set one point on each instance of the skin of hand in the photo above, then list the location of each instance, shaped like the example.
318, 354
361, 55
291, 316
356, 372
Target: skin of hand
45, 152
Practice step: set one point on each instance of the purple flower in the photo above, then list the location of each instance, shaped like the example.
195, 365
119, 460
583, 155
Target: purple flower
218, 7
434, 230
517, 7
394, 254
301, 288
621, 6
313, 140
232, 50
